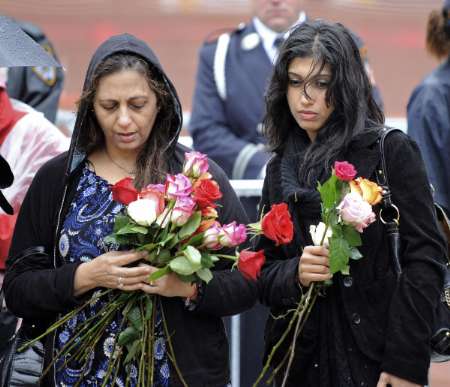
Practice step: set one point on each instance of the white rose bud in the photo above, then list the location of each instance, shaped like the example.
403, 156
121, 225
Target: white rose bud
143, 211
317, 234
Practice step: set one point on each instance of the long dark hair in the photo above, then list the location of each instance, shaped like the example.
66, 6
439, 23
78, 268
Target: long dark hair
438, 33
350, 92
151, 164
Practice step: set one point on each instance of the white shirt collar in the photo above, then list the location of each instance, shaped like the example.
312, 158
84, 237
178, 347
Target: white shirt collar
268, 36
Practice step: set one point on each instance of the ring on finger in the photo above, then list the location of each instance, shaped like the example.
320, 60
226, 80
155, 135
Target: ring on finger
152, 283
120, 282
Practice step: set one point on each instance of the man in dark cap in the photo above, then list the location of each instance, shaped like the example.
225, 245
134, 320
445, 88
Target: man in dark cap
38, 86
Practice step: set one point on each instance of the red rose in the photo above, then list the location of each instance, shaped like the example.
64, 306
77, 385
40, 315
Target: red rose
250, 263
206, 192
124, 192
344, 170
277, 224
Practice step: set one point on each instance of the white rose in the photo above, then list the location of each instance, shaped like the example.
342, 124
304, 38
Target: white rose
143, 211
317, 233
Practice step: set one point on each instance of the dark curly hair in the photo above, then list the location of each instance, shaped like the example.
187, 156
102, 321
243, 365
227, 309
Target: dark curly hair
151, 164
350, 92
438, 33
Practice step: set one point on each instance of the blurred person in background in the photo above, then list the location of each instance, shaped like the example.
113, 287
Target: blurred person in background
40, 87
228, 108
429, 108
27, 141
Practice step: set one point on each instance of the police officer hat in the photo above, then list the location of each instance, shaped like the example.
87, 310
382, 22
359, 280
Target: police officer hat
6, 179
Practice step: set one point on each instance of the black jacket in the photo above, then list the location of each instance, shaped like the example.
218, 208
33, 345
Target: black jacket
388, 322
39, 286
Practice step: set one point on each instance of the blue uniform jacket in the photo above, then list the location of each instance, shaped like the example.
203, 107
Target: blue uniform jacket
429, 126
39, 87
228, 128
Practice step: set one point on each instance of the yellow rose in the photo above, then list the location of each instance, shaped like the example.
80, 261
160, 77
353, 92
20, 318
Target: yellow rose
370, 191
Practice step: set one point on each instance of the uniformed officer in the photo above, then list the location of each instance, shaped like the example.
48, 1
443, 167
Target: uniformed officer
228, 107
39, 87
429, 108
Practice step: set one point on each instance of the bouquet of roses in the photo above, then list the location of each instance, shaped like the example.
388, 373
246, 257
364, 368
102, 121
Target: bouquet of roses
346, 211
176, 223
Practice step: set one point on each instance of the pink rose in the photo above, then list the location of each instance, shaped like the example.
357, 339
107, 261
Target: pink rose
195, 165
157, 187
355, 211
232, 234
211, 237
344, 170
184, 207
178, 185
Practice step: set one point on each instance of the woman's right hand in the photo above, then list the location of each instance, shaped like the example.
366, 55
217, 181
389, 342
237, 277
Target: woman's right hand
314, 265
109, 271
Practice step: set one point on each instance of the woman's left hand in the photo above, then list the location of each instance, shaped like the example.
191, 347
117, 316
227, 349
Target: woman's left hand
169, 285
394, 381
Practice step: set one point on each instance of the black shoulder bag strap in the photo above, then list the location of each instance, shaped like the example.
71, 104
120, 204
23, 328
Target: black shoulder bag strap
389, 213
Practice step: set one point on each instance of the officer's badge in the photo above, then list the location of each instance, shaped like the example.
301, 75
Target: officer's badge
250, 41
45, 73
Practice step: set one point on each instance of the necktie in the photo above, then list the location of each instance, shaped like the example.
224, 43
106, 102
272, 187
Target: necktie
278, 42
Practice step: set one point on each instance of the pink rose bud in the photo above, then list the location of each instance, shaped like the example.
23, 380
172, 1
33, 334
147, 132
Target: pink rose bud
184, 207
355, 211
232, 234
157, 187
344, 170
178, 185
195, 165
211, 237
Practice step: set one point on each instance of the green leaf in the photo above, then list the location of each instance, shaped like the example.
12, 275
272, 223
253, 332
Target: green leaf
128, 336
161, 257
120, 222
214, 258
346, 270
159, 273
148, 308
339, 254
181, 265
132, 351
196, 240
134, 316
205, 274
188, 278
192, 224
172, 242
132, 229
329, 192
355, 254
207, 261
193, 255
352, 236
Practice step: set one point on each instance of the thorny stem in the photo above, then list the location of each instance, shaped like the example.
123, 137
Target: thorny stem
171, 353
311, 296
280, 341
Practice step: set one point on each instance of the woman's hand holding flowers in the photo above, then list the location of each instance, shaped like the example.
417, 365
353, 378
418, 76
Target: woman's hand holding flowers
314, 265
169, 285
109, 271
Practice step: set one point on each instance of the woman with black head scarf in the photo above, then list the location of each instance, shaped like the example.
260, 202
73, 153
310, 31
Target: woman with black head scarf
128, 122
367, 329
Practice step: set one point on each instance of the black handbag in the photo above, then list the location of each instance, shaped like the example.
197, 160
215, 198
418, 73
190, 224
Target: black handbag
390, 215
19, 369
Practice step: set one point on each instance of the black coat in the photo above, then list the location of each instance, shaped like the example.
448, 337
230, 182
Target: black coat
39, 286
379, 325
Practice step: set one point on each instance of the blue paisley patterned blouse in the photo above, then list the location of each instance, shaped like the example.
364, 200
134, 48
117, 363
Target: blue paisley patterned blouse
89, 219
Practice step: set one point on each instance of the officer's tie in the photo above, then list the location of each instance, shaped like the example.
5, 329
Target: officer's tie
278, 42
